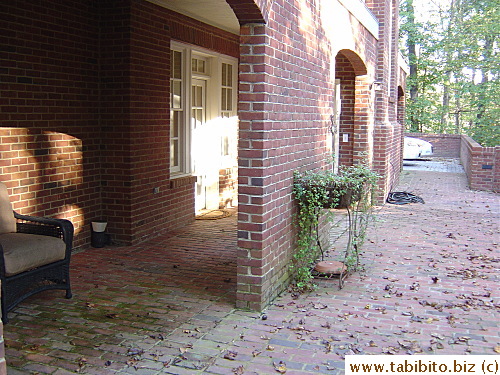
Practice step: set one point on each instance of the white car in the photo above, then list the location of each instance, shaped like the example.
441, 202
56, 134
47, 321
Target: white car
415, 148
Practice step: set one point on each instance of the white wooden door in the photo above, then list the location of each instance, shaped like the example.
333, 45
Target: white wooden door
206, 150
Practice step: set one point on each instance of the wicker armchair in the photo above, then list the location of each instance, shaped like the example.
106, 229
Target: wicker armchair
35, 254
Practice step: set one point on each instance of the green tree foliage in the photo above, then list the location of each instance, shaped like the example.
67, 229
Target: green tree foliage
454, 68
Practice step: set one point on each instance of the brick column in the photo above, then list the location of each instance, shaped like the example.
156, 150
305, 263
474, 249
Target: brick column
387, 133
252, 159
363, 122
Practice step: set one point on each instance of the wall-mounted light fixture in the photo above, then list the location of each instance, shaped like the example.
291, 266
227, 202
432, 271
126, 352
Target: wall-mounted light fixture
376, 85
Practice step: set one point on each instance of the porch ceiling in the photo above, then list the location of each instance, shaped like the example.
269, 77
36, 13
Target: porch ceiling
217, 13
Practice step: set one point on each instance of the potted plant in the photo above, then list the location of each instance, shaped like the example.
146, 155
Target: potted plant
351, 189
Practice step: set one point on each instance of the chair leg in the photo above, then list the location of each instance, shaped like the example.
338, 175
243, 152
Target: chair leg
5, 318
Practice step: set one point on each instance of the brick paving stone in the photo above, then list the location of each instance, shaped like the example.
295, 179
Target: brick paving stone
166, 306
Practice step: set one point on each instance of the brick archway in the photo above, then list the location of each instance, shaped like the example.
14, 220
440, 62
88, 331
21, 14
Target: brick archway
250, 11
358, 66
355, 128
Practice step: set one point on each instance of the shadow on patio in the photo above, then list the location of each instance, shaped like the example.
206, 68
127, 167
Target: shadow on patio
127, 300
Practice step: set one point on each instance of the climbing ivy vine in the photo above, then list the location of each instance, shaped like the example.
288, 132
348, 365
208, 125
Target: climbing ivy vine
318, 194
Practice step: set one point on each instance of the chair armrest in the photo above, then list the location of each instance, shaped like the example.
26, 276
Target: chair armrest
61, 228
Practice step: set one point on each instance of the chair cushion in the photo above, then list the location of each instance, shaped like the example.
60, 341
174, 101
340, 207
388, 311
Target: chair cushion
23, 251
7, 219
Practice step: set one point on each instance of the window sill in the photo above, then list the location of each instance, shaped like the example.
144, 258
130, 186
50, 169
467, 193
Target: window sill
177, 182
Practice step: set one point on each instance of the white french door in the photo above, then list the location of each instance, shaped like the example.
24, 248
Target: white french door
205, 150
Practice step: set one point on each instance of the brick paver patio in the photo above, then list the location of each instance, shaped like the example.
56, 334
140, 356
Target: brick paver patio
430, 286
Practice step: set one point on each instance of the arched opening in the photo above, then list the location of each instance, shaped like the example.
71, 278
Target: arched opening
354, 115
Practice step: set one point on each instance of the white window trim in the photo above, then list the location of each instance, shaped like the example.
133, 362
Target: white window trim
213, 77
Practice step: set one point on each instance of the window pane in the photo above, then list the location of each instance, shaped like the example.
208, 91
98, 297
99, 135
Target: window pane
197, 96
176, 94
224, 99
229, 105
177, 64
176, 124
174, 152
198, 65
224, 74
229, 75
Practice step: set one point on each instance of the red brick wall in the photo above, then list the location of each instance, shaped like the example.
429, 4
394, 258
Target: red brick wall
49, 112
95, 76
285, 103
139, 151
286, 99
388, 132
481, 164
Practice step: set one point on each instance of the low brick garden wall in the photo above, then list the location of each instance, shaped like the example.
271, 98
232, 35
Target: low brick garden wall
481, 164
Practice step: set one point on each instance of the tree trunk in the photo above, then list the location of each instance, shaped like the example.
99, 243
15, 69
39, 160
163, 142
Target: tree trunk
412, 57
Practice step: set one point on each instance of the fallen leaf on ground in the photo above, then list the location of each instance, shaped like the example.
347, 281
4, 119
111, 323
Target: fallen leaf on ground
415, 286
280, 367
230, 355
438, 336
135, 351
255, 353
132, 362
390, 350
320, 306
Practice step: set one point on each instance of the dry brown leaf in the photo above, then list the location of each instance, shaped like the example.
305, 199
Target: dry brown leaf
230, 355
497, 349
280, 367
238, 370
319, 306
255, 353
135, 351
328, 347
132, 362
